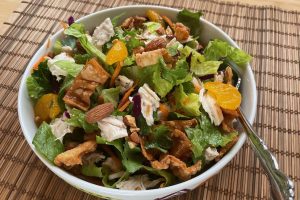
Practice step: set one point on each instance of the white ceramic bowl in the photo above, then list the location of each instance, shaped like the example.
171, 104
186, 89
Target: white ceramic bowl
209, 31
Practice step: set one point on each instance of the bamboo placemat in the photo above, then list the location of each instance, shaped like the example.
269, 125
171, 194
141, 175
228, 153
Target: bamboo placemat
270, 35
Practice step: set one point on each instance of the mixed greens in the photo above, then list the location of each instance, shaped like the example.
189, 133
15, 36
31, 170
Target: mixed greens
136, 105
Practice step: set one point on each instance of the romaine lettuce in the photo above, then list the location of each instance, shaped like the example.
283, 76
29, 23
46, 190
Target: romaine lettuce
206, 134
35, 91
188, 103
77, 119
218, 49
111, 95
191, 20
71, 68
92, 170
46, 143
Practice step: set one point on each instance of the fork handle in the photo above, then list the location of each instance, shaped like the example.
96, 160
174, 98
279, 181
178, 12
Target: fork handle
281, 186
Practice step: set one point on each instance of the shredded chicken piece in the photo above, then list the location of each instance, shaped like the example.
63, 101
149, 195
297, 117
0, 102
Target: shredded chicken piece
180, 124
225, 149
74, 156
78, 95
182, 146
211, 107
112, 128
103, 33
177, 166
124, 82
182, 32
138, 182
211, 153
228, 75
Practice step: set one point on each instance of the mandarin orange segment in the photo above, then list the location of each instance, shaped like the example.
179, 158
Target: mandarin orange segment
117, 53
47, 108
227, 96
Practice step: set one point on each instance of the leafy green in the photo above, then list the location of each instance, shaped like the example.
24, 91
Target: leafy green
78, 31
78, 120
46, 143
112, 183
82, 58
188, 87
111, 95
169, 178
116, 19
206, 134
160, 85
188, 103
43, 77
205, 68
218, 49
152, 27
176, 115
71, 68
159, 139
92, 170
57, 47
190, 19
65, 85
132, 43
69, 41
172, 50
35, 91
129, 61
118, 144
132, 158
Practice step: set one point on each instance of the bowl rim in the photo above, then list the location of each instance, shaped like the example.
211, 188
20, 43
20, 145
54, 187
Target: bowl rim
90, 187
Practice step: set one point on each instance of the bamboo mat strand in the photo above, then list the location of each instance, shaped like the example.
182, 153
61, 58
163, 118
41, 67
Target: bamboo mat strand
271, 35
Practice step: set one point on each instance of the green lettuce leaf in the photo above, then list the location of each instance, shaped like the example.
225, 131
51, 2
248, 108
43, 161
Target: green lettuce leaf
78, 120
206, 134
205, 68
159, 139
111, 95
46, 143
57, 47
218, 49
161, 86
92, 170
116, 19
71, 68
82, 58
78, 31
191, 20
188, 103
132, 159
35, 91
118, 144
152, 27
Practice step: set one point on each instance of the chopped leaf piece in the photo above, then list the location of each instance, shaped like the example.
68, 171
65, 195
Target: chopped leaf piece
191, 20
46, 143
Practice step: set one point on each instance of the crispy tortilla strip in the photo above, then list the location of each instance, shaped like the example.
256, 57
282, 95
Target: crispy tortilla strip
177, 166
229, 116
85, 83
180, 124
182, 146
74, 156
225, 149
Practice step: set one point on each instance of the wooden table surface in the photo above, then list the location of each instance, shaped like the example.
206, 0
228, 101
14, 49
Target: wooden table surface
8, 6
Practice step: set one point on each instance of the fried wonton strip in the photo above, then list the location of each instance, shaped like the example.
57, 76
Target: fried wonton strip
178, 167
180, 124
92, 75
182, 146
74, 156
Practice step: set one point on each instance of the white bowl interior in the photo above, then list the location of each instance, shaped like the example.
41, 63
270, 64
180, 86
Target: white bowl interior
209, 31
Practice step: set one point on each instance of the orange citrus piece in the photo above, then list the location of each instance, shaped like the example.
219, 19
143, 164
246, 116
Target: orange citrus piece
226, 95
47, 108
117, 53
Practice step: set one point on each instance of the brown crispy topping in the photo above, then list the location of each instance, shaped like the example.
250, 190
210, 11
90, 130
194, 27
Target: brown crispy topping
78, 95
161, 31
229, 116
177, 166
99, 112
146, 153
131, 22
129, 121
182, 146
169, 22
228, 75
180, 124
156, 43
138, 49
182, 32
134, 137
74, 156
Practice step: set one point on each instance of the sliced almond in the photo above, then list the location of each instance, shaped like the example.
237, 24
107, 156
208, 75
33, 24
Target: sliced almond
99, 112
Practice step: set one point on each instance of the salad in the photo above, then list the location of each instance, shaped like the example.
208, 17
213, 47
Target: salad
136, 104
